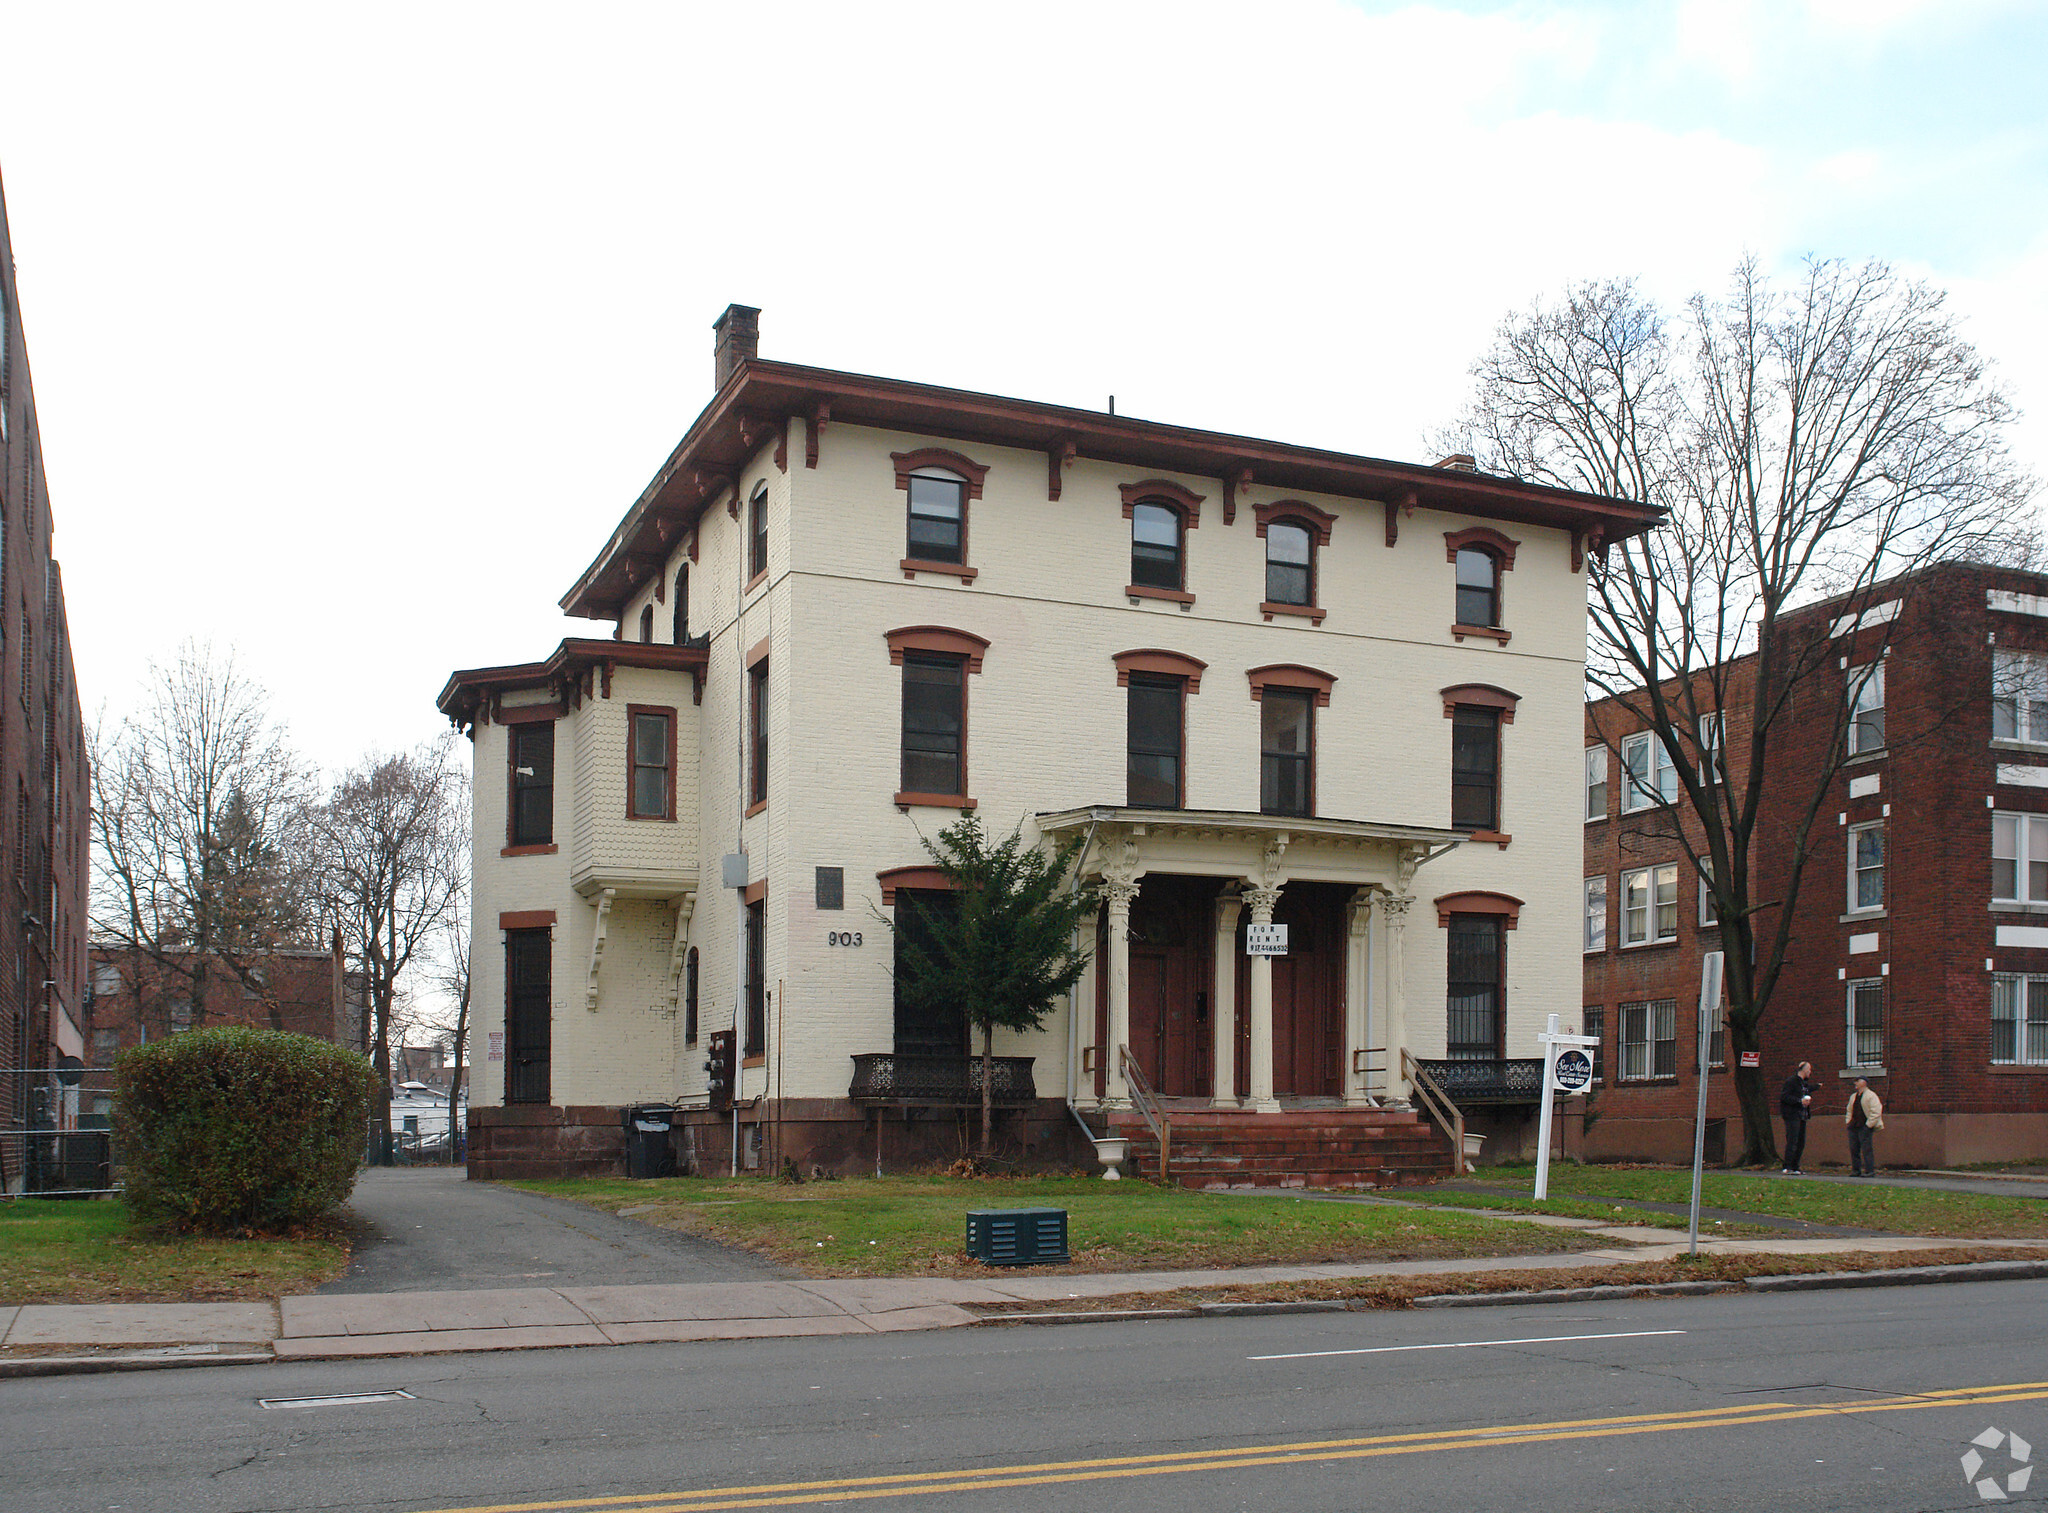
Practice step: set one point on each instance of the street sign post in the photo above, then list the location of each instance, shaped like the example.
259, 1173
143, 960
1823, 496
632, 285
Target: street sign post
1559, 1077
1265, 940
1710, 1002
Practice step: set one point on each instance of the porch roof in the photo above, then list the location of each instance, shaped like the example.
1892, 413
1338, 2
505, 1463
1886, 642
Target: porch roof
1243, 825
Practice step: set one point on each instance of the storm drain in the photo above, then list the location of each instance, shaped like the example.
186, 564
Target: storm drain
337, 1399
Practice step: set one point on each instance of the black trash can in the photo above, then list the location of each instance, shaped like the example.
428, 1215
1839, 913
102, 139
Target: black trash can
648, 1152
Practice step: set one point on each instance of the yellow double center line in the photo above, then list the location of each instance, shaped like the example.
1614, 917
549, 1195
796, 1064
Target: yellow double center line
1046, 1473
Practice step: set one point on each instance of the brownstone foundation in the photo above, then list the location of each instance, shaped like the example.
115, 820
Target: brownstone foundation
532, 1140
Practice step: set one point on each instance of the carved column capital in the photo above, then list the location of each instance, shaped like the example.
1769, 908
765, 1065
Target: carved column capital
1396, 907
1119, 894
1262, 901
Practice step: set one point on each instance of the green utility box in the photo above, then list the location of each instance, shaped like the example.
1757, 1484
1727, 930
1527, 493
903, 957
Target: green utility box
1017, 1236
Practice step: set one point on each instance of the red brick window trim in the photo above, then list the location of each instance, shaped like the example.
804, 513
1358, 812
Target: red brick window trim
1505, 905
936, 638
1167, 664
1158, 490
546, 850
756, 892
1291, 675
928, 879
1301, 512
527, 714
965, 472
1483, 696
1481, 535
526, 919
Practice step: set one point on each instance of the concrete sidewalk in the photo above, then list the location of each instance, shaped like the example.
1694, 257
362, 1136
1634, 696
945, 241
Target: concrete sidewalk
47, 1338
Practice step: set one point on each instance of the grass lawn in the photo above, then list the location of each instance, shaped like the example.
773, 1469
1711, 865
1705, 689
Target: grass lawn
72, 1251
1588, 1208
1900, 1210
916, 1226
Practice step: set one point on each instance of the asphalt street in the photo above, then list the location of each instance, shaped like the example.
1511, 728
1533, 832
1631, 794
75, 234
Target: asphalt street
1863, 1400
428, 1229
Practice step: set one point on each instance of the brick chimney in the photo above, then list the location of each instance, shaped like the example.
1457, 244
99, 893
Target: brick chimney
1459, 462
736, 338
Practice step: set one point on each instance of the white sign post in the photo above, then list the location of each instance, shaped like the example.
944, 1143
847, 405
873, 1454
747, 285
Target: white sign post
1566, 1069
1265, 940
1710, 1003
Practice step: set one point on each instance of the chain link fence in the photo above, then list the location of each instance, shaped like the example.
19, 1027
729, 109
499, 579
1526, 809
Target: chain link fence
56, 1128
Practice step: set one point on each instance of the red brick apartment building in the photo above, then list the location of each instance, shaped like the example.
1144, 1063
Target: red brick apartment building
43, 793
1919, 951
136, 999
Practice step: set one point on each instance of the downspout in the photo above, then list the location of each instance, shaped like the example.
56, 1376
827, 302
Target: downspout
1074, 992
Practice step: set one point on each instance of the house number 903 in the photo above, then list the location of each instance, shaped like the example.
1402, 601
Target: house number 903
843, 938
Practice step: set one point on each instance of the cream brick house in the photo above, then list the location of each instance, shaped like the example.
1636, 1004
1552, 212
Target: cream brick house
1264, 683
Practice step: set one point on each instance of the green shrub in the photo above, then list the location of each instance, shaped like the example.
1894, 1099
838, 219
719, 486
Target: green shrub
240, 1131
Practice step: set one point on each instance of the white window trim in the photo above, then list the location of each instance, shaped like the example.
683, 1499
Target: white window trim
2024, 824
1861, 680
2012, 672
1713, 732
1651, 938
1649, 1043
1647, 791
2021, 985
1596, 770
1589, 921
1708, 919
1884, 859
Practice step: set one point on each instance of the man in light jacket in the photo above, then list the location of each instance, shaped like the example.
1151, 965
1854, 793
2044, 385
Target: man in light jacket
1864, 1115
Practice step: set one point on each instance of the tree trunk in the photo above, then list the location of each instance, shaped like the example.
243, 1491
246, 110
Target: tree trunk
455, 1074
988, 1061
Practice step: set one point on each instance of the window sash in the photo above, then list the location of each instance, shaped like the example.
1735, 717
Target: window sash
1475, 769
1866, 709
1649, 1040
651, 767
1709, 917
2019, 1020
1478, 587
1713, 730
1286, 751
1153, 727
1866, 1022
757, 534
1649, 904
934, 722
533, 791
758, 768
1155, 546
757, 968
1596, 914
1650, 779
1596, 1027
1473, 998
937, 518
1866, 867
1289, 562
1596, 782
2019, 697
2019, 858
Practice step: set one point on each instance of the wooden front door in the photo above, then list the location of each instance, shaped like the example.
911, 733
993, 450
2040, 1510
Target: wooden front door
1171, 946
1308, 996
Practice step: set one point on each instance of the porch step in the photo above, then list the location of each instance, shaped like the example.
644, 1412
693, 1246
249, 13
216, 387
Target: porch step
1315, 1147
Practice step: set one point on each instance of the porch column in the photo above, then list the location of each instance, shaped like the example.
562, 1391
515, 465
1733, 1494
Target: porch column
1357, 984
1118, 896
1260, 1008
1223, 1005
1395, 907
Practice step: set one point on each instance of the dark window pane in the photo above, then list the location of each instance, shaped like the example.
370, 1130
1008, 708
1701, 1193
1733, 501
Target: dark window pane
650, 794
533, 783
937, 507
759, 791
1473, 1023
690, 997
682, 625
831, 888
528, 1024
1284, 750
1287, 565
757, 967
1475, 769
757, 530
1478, 580
650, 740
1155, 546
923, 1027
932, 688
1154, 738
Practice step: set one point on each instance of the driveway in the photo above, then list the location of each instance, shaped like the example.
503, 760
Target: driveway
429, 1229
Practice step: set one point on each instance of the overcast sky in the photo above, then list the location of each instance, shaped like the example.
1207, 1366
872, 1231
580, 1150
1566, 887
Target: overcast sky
356, 328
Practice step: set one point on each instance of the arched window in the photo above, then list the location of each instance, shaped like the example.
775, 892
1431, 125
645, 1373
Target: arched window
1478, 587
757, 534
682, 626
1290, 564
1156, 558
647, 623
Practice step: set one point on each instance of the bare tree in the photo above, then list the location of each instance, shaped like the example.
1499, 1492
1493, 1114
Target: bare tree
395, 841
199, 822
1811, 443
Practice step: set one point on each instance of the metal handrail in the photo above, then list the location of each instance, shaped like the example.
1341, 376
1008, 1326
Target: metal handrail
1440, 1108
1147, 1104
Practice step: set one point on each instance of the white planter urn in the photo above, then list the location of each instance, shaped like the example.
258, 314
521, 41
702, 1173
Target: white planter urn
1472, 1145
1111, 1154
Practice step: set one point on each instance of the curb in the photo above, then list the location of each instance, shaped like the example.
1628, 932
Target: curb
1903, 1276
81, 1365
1572, 1294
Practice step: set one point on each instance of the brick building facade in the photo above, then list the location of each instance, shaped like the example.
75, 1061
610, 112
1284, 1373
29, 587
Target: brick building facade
136, 999
1918, 955
44, 792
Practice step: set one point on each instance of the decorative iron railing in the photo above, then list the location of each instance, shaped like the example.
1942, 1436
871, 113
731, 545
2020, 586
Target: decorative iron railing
1517, 1079
941, 1081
